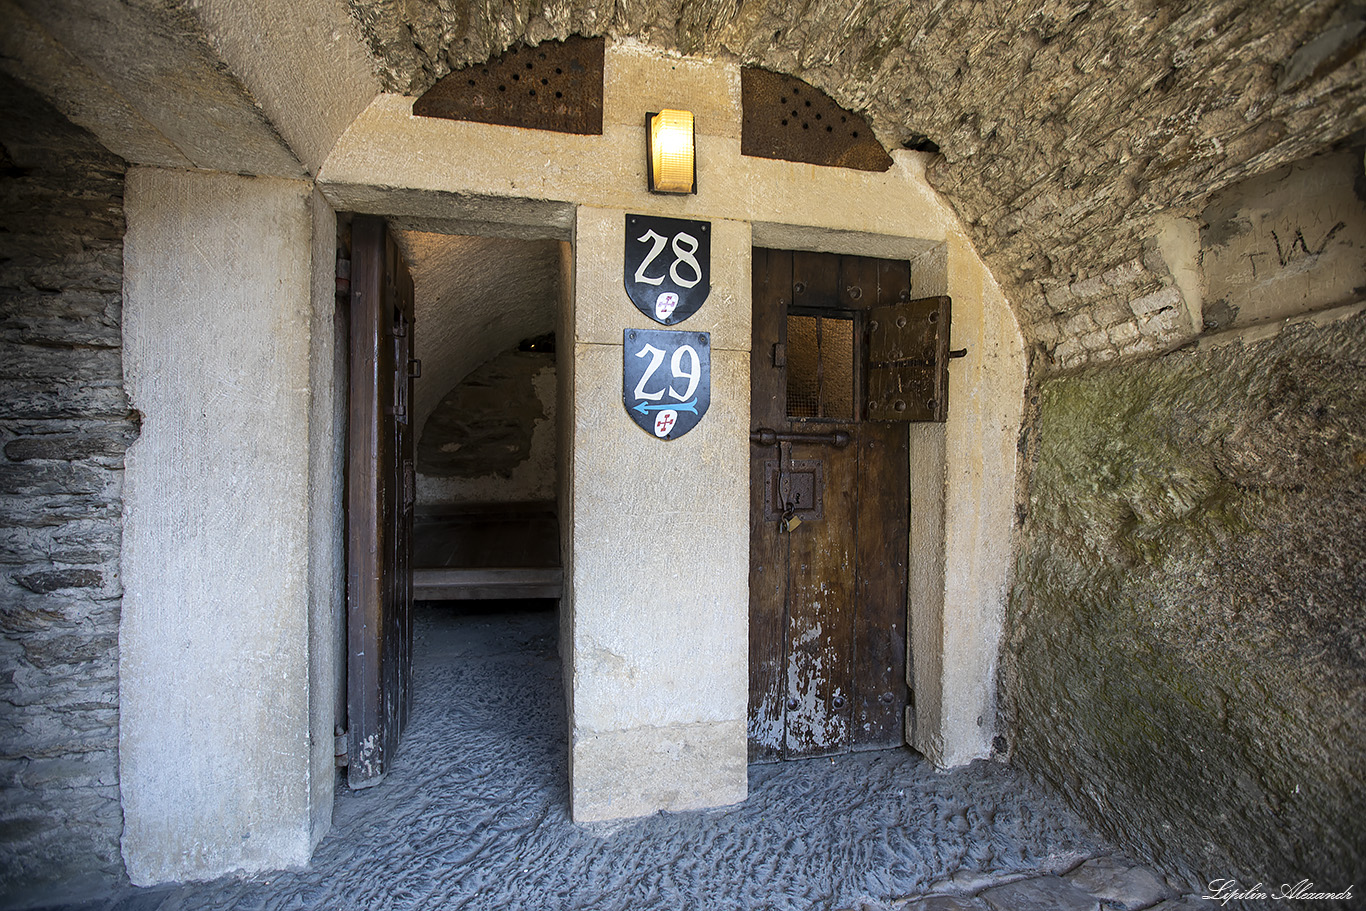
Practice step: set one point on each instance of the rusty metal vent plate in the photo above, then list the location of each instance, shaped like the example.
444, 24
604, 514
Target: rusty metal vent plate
789, 119
556, 85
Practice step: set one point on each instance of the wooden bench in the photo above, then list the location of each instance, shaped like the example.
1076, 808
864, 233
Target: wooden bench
504, 550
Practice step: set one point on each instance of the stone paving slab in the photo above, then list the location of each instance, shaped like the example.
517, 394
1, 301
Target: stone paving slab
1044, 893
946, 903
475, 816
1124, 886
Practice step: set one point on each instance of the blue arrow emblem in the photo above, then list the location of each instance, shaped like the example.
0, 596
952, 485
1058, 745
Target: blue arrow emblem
684, 406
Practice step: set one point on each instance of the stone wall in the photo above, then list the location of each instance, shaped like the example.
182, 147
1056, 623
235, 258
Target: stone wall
1290, 240
492, 437
1064, 132
1186, 647
64, 425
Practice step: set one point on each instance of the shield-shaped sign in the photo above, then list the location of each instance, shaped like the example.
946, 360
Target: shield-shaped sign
668, 266
666, 379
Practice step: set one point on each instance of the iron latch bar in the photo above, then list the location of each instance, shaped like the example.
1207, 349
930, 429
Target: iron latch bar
766, 436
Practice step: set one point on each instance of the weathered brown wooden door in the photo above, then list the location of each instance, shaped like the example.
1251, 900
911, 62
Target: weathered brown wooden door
828, 513
379, 503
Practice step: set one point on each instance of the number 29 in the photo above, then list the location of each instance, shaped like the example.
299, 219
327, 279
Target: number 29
692, 373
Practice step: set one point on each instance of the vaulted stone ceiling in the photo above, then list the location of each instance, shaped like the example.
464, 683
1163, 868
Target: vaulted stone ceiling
1064, 129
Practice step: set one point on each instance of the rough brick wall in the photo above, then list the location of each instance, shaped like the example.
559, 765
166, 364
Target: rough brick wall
64, 425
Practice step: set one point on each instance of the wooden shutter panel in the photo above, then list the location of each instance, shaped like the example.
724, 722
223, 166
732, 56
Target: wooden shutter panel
908, 361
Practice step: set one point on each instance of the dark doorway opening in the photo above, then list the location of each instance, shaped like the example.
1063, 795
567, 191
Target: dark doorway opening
478, 553
451, 454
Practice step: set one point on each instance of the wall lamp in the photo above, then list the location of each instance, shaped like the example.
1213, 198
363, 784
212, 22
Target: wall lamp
669, 141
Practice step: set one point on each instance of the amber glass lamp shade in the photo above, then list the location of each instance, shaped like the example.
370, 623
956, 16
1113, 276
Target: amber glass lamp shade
673, 166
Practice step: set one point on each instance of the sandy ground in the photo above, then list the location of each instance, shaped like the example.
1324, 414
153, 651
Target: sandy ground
475, 815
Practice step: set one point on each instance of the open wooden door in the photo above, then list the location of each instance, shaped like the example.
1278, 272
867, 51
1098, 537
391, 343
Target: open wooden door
841, 358
379, 503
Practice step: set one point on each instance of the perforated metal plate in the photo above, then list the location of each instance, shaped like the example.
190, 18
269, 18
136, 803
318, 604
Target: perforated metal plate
788, 119
553, 86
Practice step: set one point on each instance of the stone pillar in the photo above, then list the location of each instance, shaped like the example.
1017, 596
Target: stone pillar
657, 607
218, 720
962, 503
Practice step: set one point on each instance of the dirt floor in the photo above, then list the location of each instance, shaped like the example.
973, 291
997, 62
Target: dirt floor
475, 815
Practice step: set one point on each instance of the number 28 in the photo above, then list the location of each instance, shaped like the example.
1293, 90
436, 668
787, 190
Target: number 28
684, 247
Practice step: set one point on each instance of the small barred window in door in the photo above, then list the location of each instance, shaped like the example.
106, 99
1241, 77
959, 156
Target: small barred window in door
820, 367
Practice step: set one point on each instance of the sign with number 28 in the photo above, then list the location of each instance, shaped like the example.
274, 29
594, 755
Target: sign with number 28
668, 266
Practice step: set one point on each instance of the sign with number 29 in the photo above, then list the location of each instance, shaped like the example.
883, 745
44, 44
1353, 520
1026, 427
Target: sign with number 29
666, 379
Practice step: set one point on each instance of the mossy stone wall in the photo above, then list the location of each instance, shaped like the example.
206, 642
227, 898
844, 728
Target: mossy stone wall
1186, 641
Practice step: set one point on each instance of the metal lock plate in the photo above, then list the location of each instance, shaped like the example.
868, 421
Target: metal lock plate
801, 486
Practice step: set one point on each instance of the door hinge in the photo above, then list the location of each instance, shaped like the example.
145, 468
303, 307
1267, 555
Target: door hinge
779, 354
339, 749
343, 275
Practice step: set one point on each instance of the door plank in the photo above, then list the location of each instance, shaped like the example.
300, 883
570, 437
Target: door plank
820, 628
893, 281
772, 283
815, 280
378, 505
405, 479
883, 536
858, 284
880, 663
367, 532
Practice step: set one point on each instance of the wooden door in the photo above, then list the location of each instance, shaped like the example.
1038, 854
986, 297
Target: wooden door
828, 514
379, 503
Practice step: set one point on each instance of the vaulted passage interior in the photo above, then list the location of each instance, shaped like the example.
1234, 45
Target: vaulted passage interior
1119, 544
487, 451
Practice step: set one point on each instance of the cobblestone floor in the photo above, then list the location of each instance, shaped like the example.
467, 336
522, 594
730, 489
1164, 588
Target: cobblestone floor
474, 815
